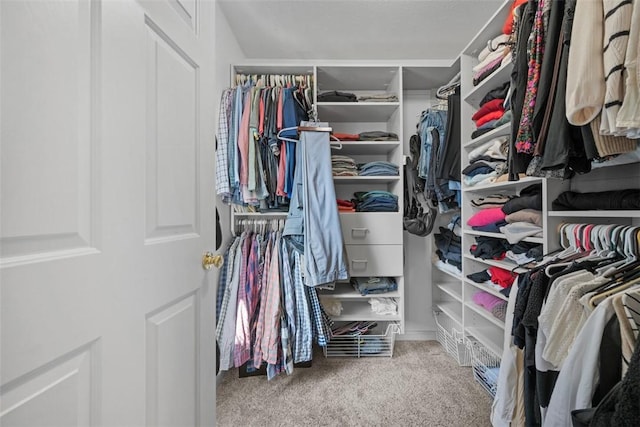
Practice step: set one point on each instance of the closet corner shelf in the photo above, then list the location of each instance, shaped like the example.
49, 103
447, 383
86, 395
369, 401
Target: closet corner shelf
348, 293
367, 112
523, 182
487, 289
452, 310
449, 273
502, 264
502, 236
499, 131
451, 291
498, 77
260, 214
484, 313
365, 179
597, 214
367, 147
491, 338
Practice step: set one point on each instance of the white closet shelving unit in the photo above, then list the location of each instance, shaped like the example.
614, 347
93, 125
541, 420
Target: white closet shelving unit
373, 240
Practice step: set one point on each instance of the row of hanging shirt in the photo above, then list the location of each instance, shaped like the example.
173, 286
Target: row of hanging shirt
572, 326
254, 167
266, 315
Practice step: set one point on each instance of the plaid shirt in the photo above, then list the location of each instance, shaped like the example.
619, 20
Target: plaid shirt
243, 330
222, 279
222, 154
224, 292
227, 328
302, 351
271, 338
257, 345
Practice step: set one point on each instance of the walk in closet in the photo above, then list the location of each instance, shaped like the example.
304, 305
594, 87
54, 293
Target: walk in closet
507, 220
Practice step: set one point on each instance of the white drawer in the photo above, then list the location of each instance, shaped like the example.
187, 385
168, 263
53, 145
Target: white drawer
375, 260
371, 228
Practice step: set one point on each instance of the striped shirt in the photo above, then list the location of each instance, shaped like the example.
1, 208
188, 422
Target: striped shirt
223, 187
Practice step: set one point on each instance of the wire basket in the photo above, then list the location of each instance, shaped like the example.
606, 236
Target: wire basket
378, 342
486, 366
451, 339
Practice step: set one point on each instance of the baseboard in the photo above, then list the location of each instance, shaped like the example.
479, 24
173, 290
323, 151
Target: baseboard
417, 336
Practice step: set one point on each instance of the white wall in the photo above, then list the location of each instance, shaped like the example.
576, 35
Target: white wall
420, 324
228, 52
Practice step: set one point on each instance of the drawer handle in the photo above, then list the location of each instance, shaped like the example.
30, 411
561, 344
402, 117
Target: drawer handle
362, 262
359, 232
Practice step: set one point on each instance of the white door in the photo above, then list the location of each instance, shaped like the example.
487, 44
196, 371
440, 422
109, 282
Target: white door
107, 187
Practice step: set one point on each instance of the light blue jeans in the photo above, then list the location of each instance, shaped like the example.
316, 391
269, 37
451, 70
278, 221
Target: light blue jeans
430, 119
313, 211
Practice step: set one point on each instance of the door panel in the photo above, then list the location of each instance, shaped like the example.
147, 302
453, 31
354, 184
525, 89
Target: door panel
107, 131
172, 344
172, 111
47, 141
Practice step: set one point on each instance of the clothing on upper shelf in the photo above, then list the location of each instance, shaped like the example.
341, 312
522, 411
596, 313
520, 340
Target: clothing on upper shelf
346, 205
608, 200
449, 247
374, 285
378, 135
343, 166
337, 96
378, 97
491, 201
529, 198
486, 216
517, 231
376, 201
384, 306
253, 166
378, 168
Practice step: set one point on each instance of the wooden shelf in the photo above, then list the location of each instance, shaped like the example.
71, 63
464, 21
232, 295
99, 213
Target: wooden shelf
365, 179
502, 236
502, 264
450, 290
366, 147
487, 289
484, 313
497, 78
504, 129
359, 112
596, 214
452, 310
503, 185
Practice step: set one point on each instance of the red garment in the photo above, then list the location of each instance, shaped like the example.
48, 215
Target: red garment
494, 115
346, 136
508, 22
488, 107
485, 217
261, 119
501, 277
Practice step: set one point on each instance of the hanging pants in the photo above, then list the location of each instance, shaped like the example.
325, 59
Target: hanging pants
313, 211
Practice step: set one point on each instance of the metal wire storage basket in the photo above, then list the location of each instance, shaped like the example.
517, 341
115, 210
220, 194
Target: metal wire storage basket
486, 366
451, 339
378, 342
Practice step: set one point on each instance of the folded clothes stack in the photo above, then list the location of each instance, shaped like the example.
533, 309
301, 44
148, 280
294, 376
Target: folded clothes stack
378, 97
493, 56
343, 166
378, 168
449, 249
378, 135
374, 285
487, 162
346, 205
491, 303
337, 96
605, 200
384, 306
494, 111
376, 201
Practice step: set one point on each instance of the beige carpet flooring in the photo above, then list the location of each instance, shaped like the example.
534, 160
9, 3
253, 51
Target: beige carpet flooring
419, 386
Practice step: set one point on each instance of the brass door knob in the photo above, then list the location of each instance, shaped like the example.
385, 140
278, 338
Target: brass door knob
209, 260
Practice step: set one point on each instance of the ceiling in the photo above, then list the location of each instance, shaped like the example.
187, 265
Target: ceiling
356, 29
